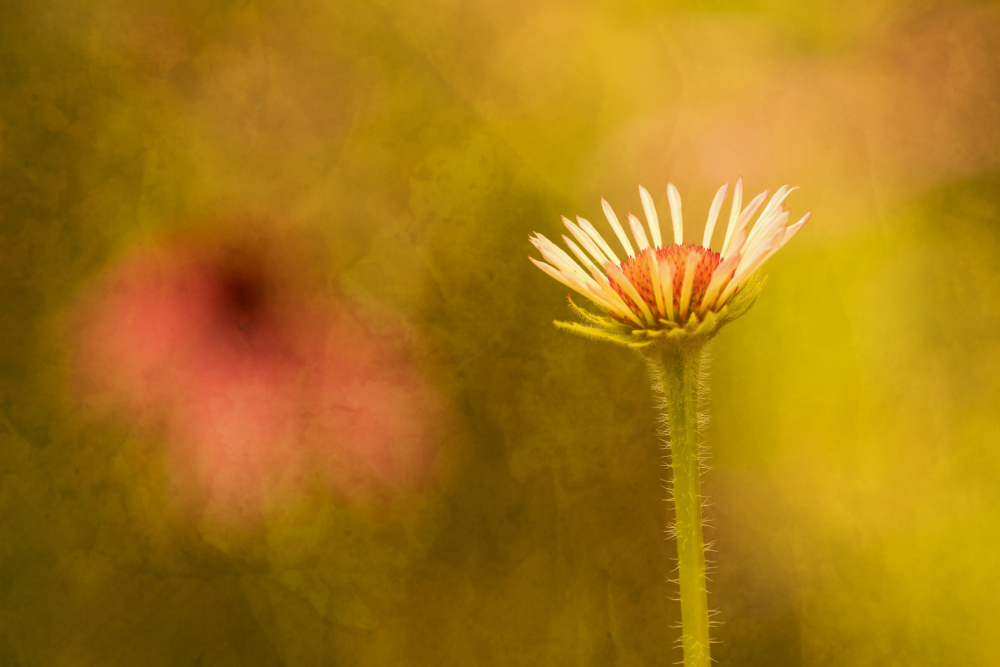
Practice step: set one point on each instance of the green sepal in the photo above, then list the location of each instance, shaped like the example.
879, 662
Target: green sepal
677, 335
696, 331
598, 334
712, 321
746, 298
587, 316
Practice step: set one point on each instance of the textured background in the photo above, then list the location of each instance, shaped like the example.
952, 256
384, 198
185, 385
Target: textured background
855, 423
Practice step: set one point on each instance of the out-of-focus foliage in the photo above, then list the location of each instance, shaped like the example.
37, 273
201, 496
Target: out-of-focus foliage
415, 145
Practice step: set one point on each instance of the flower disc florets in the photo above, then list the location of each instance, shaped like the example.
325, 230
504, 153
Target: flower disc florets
674, 290
675, 257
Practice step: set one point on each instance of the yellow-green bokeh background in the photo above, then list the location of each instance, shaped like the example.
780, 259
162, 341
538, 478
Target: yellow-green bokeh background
855, 424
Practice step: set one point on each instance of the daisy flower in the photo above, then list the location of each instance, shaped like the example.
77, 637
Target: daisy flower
677, 295
676, 290
260, 383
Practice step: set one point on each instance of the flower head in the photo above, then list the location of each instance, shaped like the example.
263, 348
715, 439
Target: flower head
677, 290
260, 382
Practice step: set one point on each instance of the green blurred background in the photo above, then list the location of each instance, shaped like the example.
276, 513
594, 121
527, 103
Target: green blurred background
855, 421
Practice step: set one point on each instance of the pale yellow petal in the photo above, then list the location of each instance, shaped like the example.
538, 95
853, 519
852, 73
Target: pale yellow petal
598, 239
674, 198
622, 280
651, 218
615, 225
690, 266
713, 215
637, 232
734, 215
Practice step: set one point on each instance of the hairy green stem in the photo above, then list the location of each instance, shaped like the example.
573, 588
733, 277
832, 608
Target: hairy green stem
678, 369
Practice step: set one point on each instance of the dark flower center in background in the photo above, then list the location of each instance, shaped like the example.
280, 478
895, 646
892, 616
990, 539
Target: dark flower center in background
261, 381
243, 296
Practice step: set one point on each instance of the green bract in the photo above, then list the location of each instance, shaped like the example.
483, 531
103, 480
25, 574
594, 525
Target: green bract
696, 330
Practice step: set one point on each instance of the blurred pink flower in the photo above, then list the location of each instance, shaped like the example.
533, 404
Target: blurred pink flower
260, 383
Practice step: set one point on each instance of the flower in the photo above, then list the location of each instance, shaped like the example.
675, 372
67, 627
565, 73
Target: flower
676, 290
261, 382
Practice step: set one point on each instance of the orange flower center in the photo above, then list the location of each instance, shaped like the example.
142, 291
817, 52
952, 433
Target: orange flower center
636, 269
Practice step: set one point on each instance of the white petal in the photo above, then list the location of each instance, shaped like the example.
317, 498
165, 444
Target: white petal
764, 251
754, 257
580, 255
595, 292
612, 297
598, 239
777, 200
615, 225
586, 242
735, 248
615, 306
763, 233
734, 215
731, 288
566, 280
770, 216
654, 277
637, 232
765, 224
558, 258
674, 198
748, 264
667, 285
794, 229
790, 231
690, 266
743, 220
651, 218
622, 280
720, 278
713, 214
